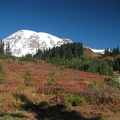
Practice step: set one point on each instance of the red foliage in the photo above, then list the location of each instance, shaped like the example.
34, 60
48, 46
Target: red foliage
68, 80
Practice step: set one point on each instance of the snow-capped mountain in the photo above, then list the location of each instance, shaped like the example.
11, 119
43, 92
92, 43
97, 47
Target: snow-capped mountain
26, 41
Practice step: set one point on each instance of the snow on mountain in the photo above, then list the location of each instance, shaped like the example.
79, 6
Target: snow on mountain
99, 51
26, 41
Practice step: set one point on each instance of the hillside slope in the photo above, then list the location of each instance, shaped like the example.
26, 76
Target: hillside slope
36, 90
40, 75
89, 53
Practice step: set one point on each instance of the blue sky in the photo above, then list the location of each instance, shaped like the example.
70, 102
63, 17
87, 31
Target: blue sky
95, 23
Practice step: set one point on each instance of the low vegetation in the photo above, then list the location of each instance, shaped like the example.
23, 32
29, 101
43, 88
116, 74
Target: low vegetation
1, 69
27, 77
40, 90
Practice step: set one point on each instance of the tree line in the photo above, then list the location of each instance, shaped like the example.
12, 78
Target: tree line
111, 52
65, 51
115, 53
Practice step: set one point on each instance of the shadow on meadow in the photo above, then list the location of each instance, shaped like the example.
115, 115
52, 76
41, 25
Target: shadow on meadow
44, 111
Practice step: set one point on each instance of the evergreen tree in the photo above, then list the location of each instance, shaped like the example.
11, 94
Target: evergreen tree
107, 52
1, 47
115, 51
117, 63
8, 49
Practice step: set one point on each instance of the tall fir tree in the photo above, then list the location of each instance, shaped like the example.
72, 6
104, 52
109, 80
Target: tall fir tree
8, 49
1, 47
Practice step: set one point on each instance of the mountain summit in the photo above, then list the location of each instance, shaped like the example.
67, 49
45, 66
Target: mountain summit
25, 41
